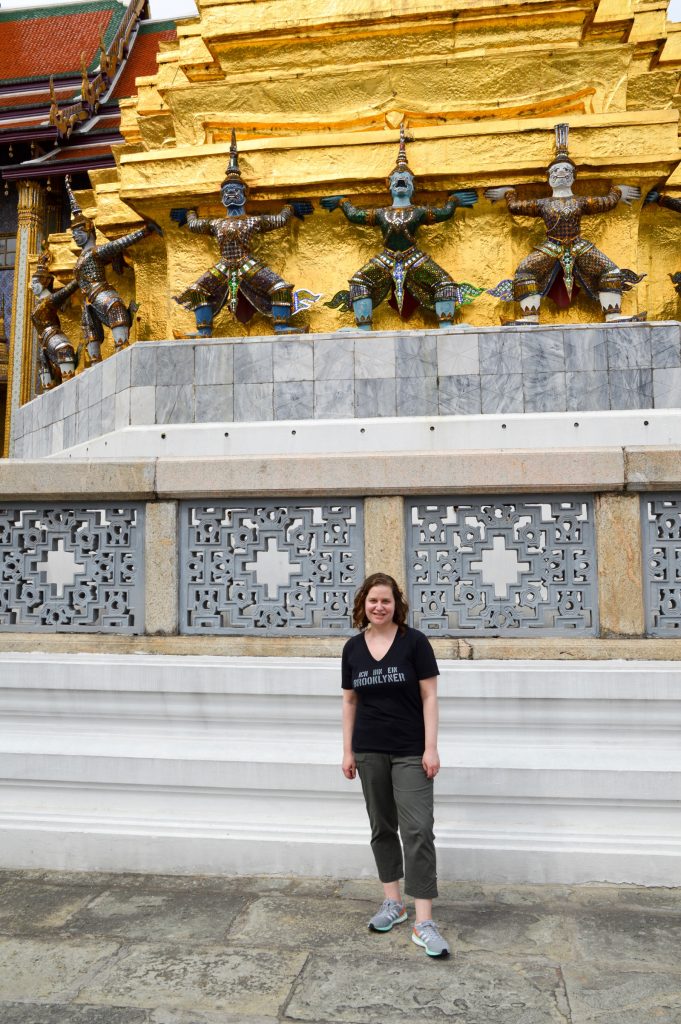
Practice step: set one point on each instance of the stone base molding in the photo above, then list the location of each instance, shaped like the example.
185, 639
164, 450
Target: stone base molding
552, 772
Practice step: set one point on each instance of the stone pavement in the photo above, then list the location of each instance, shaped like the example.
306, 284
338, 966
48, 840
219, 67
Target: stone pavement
141, 949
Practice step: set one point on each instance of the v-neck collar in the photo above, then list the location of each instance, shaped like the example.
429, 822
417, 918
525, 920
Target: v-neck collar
377, 661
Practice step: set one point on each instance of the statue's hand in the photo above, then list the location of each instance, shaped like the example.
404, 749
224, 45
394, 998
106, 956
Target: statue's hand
495, 194
629, 193
465, 196
331, 203
179, 214
153, 226
652, 197
301, 207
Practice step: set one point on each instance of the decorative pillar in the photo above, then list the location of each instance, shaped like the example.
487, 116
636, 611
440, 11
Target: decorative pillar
30, 232
384, 546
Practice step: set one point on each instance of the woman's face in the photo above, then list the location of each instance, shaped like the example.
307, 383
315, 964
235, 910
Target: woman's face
379, 606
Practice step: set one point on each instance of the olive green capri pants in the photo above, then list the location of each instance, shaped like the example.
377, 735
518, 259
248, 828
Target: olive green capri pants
399, 796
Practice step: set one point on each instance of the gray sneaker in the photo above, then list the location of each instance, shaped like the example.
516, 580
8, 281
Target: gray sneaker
426, 934
390, 913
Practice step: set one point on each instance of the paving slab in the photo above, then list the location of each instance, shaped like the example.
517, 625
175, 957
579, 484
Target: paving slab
34, 1013
29, 906
598, 996
247, 982
465, 990
632, 936
48, 970
170, 916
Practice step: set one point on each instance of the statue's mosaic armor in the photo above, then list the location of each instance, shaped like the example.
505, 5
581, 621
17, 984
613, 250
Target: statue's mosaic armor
45, 319
237, 272
102, 303
564, 248
401, 265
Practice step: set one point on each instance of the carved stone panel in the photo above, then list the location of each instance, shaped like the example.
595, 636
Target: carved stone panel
509, 565
66, 569
661, 537
273, 569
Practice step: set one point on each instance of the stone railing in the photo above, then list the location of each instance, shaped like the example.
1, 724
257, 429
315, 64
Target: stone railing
573, 549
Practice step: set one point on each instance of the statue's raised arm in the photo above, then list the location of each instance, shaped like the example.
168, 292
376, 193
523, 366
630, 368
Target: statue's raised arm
669, 203
401, 271
239, 279
564, 261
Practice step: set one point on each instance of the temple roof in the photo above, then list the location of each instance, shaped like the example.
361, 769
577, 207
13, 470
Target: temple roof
72, 123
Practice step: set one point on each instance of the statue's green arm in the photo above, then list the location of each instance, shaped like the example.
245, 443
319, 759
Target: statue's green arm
358, 214
200, 225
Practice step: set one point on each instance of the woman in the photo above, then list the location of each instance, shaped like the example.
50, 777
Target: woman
390, 739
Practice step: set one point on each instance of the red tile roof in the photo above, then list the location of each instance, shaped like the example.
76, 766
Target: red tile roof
39, 42
142, 60
37, 98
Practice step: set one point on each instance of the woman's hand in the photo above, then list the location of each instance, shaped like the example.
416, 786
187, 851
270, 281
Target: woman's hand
349, 766
431, 763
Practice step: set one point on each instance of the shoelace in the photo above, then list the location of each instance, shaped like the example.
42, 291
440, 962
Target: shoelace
391, 907
427, 930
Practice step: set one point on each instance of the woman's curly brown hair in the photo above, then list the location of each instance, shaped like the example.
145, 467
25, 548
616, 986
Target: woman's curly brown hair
379, 579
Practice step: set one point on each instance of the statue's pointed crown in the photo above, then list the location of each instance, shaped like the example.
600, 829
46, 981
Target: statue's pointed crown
402, 164
77, 215
42, 269
233, 173
562, 138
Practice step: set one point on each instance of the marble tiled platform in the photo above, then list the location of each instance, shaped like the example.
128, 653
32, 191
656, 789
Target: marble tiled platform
354, 374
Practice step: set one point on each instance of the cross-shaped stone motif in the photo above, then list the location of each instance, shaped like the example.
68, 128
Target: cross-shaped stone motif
61, 567
499, 565
273, 568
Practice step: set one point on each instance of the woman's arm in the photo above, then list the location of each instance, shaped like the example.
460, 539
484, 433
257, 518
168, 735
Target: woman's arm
431, 758
349, 713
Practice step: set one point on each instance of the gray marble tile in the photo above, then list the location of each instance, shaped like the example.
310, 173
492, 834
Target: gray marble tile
82, 425
94, 425
122, 361
253, 402
174, 403
415, 356
109, 374
108, 414
293, 400
460, 395
175, 364
628, 347
214, 403
665, 346
142, 405
542, 351
416, 396
292, 360
68, 389
18, 447
70, 431
587, 390
214, 364
667, 388
501, 392
334, 358
544, 392
56, 411
57, 437
334, 399
143, 364
122, 410
375, 397
82, 392
585, 349
41, 407
631, 389
457, 354
253, 363
374, 357
500, 353
94, 386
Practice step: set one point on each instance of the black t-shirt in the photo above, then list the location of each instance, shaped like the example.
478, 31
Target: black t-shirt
389, 716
